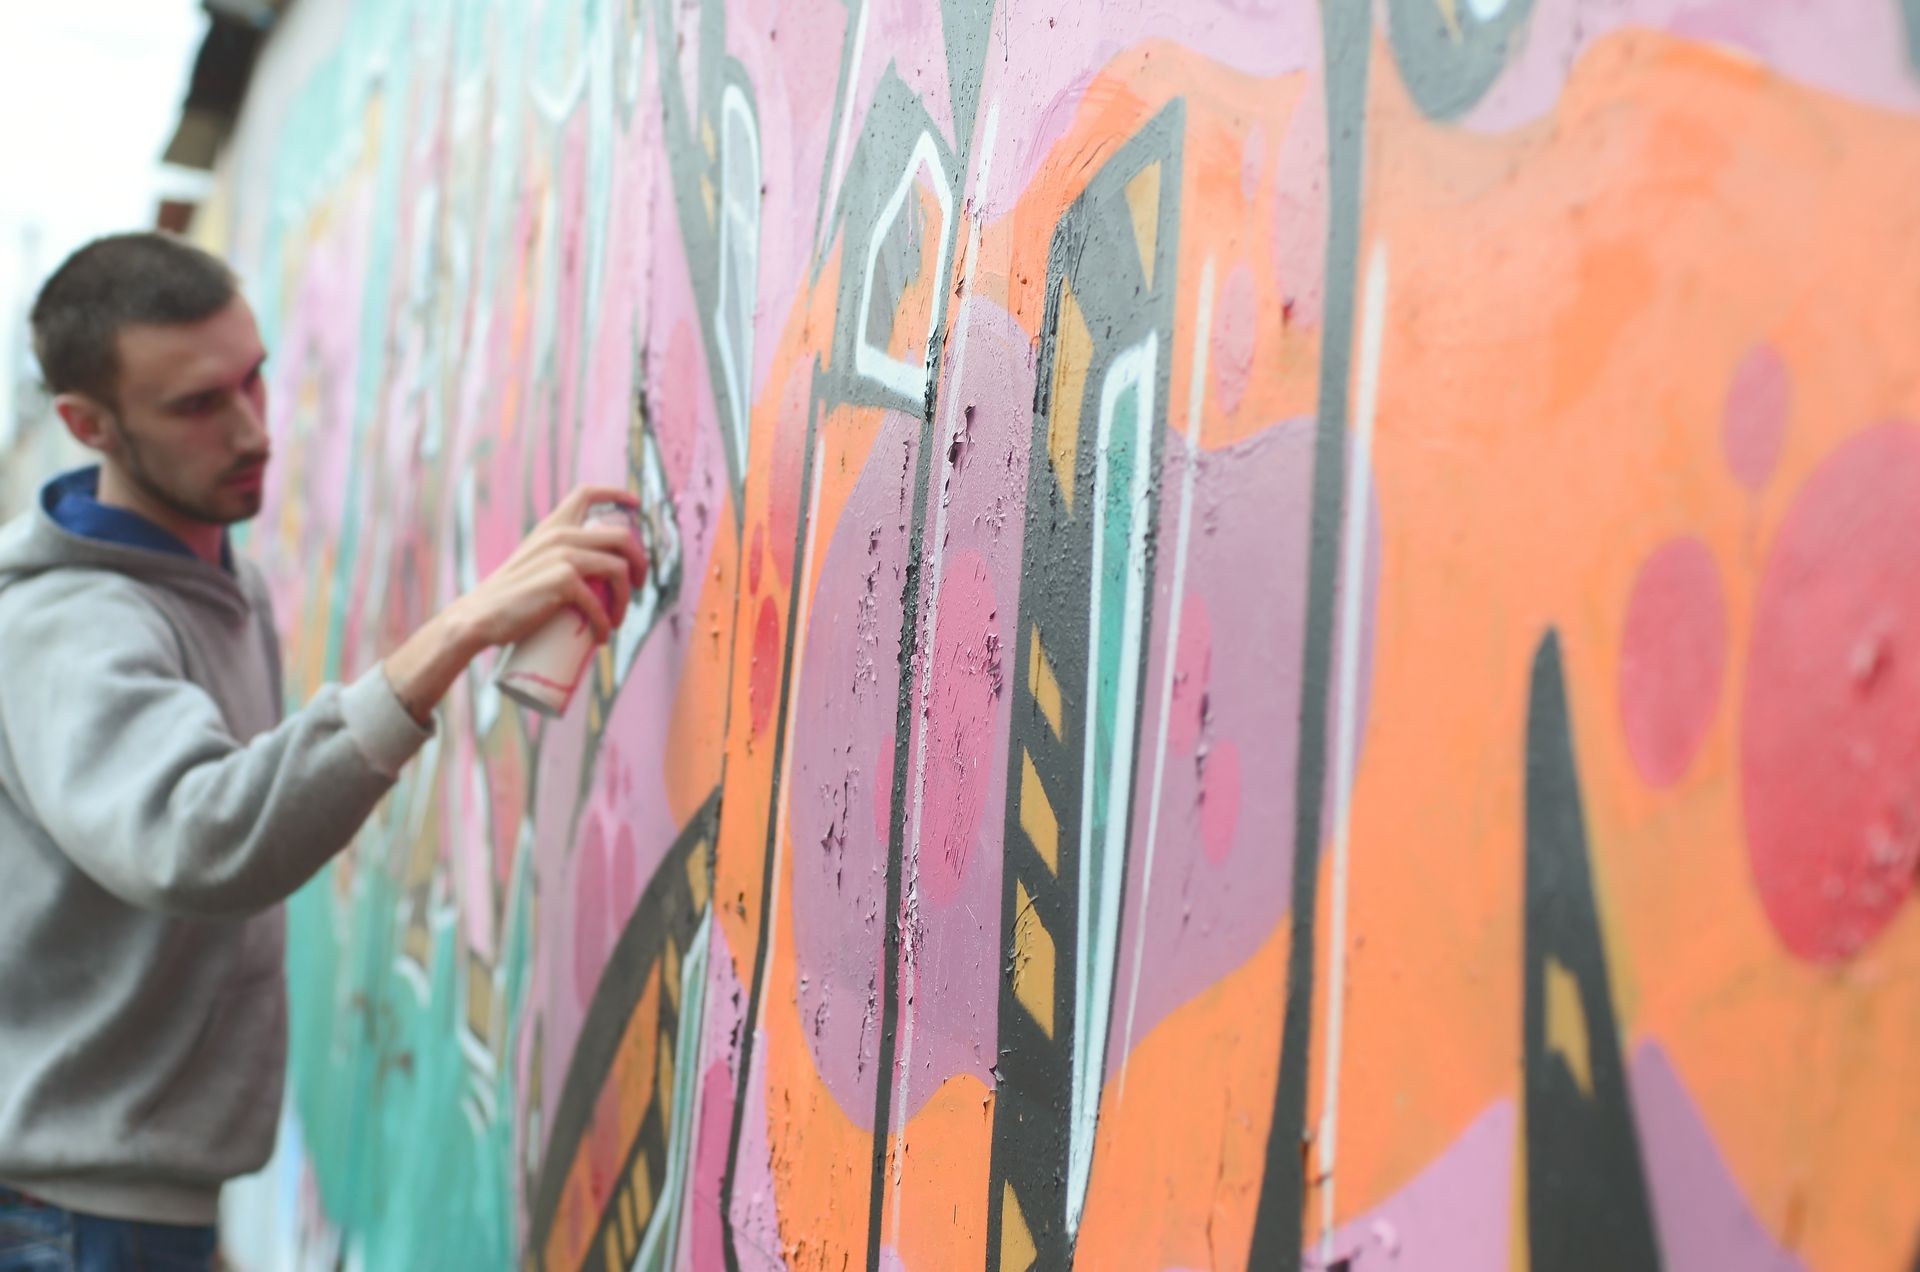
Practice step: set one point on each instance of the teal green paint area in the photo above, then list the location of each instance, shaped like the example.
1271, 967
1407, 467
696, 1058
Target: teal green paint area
411, 1169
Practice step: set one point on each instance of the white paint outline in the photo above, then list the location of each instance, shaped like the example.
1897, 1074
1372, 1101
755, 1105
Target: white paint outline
738, 216
903, 377
1346, 724
1136, 368
955, 418
662, 1240
557, 102
1196, 396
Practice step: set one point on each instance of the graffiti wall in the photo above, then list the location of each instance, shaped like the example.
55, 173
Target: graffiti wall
1282, 634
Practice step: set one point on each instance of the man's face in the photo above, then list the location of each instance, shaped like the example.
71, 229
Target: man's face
188, 430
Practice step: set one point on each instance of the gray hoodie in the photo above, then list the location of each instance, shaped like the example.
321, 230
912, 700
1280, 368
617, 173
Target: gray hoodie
154, 811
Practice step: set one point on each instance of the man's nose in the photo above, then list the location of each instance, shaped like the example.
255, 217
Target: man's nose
250, 425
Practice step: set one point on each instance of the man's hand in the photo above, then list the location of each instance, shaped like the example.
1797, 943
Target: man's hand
555, 566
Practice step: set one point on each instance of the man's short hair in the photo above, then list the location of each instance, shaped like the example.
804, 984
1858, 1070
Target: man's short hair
123, 280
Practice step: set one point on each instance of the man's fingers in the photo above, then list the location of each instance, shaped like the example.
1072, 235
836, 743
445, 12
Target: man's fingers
574, 507
609, 539
608, 570
581, 597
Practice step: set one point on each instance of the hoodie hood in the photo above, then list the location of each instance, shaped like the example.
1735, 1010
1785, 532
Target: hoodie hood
35, 543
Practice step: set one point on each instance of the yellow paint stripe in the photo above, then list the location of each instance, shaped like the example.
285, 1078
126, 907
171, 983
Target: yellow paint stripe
1033, 961
1045, 688
622, 1207
697, 875
1143, 200
1072, 355
666, 1081
1037, 817
1017, 1253
1567, 1025
642, 1192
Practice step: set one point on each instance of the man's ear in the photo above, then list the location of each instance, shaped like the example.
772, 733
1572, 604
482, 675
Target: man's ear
87, 419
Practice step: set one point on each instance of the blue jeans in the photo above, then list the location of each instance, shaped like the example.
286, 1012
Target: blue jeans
37, 1237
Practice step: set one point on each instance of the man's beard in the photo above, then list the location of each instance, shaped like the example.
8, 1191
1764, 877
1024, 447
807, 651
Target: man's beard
142, 476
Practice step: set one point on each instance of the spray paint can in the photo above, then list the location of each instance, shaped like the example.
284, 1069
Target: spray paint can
542, 671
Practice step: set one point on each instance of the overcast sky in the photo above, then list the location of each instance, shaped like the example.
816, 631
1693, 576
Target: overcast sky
90, 91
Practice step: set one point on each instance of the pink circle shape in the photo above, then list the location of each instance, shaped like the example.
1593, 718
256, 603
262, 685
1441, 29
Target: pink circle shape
1753, 423
1672, 655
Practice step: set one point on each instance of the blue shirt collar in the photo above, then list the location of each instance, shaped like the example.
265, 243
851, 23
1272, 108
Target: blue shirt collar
71, 499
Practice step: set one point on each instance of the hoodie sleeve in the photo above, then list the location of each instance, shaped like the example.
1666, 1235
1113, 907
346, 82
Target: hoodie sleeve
132, 770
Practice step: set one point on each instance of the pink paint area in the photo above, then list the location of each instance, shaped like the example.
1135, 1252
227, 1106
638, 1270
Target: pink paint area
965, 713
700, 1246
1704, 1223
1753, 425
1857, 51
791, 57
600, 453
1457, 1213
763, 672
1299, 222
1038, 70
1673, 656
569, 284
1221, 831
1830, 719
607, 886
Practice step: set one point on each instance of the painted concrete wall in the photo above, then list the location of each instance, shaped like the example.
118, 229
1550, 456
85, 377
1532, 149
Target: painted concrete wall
1281, 633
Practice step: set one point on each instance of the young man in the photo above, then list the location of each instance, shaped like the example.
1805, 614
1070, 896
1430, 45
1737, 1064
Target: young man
155, 809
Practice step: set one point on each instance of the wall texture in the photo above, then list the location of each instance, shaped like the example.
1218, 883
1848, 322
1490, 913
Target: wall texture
1284, 634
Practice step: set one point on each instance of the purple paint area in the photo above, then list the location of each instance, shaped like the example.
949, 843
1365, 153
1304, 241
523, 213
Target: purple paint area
950, 991
754, 1218
1456, 1215
844, 710
1037, 66
841, 796
1704, 1221
1855, 50
1222, 844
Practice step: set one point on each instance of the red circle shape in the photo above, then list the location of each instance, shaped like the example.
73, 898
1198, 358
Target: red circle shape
1830, 730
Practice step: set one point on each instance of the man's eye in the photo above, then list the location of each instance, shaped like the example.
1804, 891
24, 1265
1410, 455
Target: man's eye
199, 404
